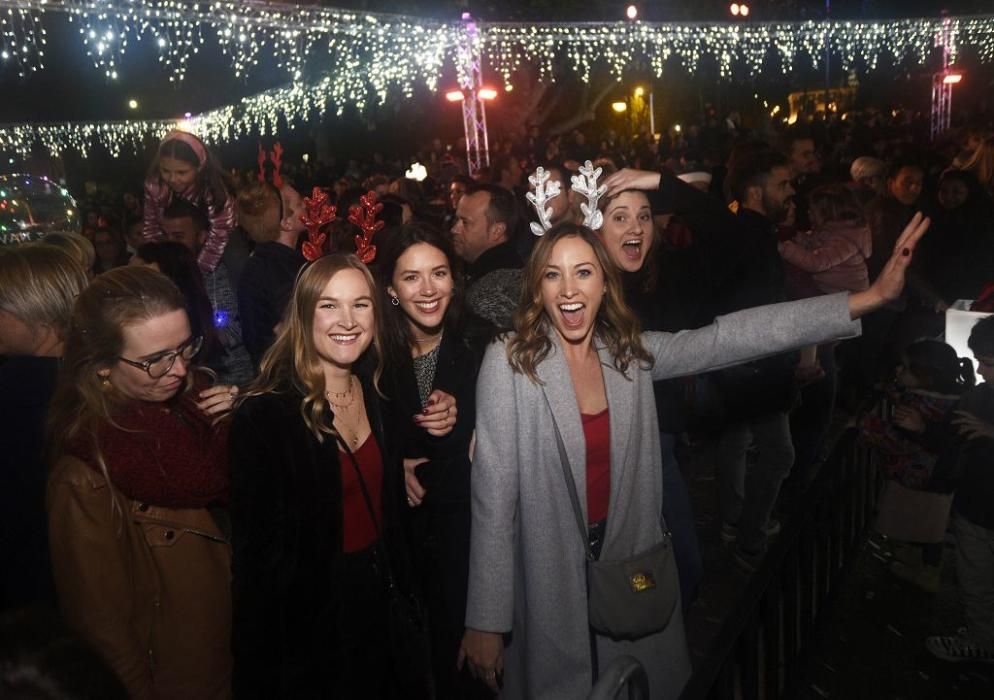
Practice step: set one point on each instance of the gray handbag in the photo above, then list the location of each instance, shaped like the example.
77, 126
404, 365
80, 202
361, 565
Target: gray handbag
626, 598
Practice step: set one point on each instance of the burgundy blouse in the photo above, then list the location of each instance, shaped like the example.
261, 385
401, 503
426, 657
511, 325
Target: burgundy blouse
597, 433
359, 530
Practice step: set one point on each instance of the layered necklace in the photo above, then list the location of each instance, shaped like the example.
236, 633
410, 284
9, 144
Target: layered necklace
342, 402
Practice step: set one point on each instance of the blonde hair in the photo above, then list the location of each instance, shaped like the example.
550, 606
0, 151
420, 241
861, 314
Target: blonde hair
292, 362
39, 285
615, 326
981, 163
258, 206
76, 244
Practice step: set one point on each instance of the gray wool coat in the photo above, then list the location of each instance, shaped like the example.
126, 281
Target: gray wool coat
527, 569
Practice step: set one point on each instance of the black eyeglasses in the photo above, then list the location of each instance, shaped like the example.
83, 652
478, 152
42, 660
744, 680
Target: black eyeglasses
160, 366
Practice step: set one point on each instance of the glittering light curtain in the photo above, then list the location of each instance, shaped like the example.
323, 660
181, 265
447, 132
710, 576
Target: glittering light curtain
372, 56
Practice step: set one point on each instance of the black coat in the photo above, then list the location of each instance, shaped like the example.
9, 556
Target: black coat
263, 294
439, 527
26, 388
447, 476
287, 535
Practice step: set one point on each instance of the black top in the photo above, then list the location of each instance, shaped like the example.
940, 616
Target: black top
502, 256
446, 476
264, 292
287, 539
26, 388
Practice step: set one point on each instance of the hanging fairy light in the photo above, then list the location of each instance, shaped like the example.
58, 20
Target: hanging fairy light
375, 55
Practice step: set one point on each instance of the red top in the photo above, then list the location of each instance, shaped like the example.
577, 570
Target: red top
597, 433
360, 532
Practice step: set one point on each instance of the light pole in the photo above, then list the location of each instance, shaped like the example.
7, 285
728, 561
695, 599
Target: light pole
474, 112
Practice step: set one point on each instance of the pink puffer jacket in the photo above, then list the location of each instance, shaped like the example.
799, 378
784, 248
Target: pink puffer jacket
158, 195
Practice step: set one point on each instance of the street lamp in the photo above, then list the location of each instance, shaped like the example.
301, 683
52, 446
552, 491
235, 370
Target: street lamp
619, 107
632, 12
739, 9
132, 104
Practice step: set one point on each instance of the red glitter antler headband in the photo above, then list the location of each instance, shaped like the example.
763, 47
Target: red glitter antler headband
276, 158
363, 215
318, 213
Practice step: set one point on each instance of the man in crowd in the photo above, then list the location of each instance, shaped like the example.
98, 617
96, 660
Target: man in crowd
506, 172
272, 219
486, 219
757, 396
182, 222
805, 168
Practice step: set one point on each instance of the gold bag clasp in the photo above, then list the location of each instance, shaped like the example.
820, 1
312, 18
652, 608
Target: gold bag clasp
642, 581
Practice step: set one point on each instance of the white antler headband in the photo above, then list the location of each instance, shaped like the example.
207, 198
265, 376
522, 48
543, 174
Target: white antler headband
586, 184
544, 191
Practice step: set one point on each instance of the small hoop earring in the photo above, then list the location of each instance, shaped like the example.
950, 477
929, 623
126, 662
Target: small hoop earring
395, 301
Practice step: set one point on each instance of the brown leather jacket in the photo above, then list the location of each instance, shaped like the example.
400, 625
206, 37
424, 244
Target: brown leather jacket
150, 591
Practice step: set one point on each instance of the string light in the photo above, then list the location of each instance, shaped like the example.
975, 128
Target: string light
371, 56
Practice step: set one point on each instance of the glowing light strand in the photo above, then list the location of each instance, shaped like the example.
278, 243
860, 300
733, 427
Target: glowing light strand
374, 55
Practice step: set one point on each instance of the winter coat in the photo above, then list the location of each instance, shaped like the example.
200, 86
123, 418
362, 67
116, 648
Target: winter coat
287, 543
527, 565
493, 285
149, 588
904, 457
158, 195
835, 255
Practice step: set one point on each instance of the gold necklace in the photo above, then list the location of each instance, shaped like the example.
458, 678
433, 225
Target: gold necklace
350, 392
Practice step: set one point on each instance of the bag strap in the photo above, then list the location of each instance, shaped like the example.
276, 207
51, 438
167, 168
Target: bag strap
388, 571
571, 487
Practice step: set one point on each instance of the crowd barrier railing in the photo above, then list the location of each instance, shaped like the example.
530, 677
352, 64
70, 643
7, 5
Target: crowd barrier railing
761, 649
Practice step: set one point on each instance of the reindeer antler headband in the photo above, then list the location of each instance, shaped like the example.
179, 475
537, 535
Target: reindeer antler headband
585, 183
318, 213
544, 191
276, 158
363, 215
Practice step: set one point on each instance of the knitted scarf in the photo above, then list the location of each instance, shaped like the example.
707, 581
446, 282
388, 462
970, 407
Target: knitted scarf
164, 454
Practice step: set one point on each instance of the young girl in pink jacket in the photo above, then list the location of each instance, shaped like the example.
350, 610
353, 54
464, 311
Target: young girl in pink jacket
833, 253
183, 167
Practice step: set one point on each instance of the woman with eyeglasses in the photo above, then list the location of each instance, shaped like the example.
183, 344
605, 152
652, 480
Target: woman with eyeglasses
137, 534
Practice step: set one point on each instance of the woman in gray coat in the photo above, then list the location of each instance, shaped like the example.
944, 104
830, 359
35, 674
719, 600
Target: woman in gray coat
576, 356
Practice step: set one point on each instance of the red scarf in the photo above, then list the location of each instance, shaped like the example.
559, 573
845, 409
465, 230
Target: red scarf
164, 454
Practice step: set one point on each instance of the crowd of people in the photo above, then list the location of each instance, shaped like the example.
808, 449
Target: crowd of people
375, 437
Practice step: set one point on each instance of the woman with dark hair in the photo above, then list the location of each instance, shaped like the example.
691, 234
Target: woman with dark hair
176, 262
140, 557
427, 355
570, 392
629, 236
317, 503
184, 167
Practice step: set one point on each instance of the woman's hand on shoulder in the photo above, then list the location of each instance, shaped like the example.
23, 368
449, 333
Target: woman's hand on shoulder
483, 652
439, 417
217, 401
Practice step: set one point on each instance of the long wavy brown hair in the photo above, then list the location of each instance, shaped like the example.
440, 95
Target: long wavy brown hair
616, 327
292, 362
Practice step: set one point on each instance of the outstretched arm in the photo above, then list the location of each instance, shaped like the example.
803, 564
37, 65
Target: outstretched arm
890, 283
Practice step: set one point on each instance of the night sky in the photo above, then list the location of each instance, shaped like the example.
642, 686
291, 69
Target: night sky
71, 88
